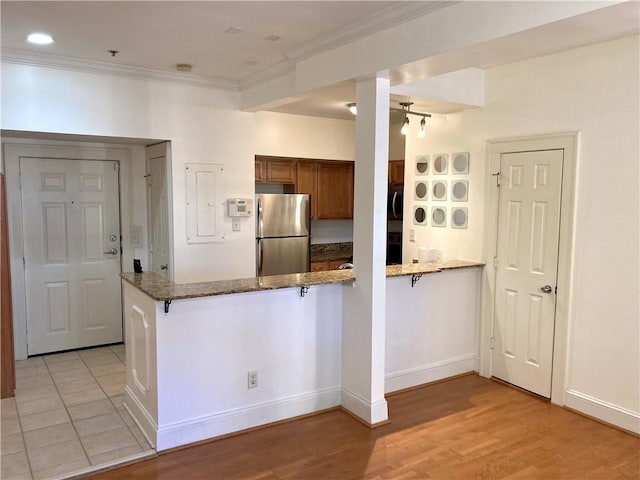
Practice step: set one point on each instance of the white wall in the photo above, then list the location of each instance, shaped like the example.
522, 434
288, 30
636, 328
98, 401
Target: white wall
593, 90
285, 135
206, 347
204, 126
432, 329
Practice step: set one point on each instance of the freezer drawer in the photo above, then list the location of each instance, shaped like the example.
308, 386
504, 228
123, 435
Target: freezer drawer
278, 256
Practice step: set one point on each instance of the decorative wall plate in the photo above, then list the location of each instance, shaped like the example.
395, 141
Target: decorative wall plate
422, 165
421, 190
438, 216
460, 190
439, 190
441, 163
459, 217
420, 215
460, 162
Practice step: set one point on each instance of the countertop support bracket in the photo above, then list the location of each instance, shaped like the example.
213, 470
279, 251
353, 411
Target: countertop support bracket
414, 279
304, 289
166, 306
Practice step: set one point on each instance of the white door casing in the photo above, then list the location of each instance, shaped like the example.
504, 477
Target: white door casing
70, 219
158, 208
527, 262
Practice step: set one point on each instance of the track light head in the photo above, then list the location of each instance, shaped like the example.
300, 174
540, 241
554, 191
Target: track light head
423, 124
405, 126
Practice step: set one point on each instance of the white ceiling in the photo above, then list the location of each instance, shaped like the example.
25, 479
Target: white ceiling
157, 35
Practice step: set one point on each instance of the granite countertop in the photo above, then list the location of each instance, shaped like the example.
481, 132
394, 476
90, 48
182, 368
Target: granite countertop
160, 289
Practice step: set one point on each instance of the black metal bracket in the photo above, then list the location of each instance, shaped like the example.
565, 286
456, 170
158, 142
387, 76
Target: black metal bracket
414, 279
166, 306
304, 289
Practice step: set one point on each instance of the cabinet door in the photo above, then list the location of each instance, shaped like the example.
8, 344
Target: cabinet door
260, 171
334, 190
281, 171
319, 266
396, 171
306, 182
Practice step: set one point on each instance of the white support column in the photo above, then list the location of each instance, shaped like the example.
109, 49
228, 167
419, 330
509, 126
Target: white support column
363, 309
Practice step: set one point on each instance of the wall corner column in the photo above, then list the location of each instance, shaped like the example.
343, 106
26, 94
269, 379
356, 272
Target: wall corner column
363, 310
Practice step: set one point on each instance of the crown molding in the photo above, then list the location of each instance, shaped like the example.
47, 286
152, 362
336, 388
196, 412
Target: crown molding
21, 57
374, 23
387, 18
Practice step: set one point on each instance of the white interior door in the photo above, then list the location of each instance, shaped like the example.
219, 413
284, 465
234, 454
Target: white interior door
527, 262
71, 228
158, 207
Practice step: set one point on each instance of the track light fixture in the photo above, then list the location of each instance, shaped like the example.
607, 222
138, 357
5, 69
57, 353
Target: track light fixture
406, 109
422, 132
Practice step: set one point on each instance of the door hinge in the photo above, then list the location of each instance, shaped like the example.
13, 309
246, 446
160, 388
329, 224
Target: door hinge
556, 290
24, 263
497, 175
492, 343
116, 166
495, 262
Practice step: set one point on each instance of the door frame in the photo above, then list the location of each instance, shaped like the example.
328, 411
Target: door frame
11, 155
569, 142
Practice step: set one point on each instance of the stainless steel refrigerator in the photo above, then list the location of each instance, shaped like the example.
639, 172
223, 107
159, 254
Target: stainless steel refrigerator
282, 233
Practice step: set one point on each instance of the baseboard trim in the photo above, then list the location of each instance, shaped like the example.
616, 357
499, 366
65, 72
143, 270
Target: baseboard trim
372, 414
432, 372
216, 425
604, 411
147, 424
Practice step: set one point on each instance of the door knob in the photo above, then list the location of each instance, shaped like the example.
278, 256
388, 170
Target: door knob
163, 267
111, 251
547, 289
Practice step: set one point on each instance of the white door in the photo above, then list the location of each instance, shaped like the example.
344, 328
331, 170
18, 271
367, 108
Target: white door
71, 228
527, 261
158, 207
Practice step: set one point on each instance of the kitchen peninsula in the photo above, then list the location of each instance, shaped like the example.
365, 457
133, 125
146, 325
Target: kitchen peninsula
191, 348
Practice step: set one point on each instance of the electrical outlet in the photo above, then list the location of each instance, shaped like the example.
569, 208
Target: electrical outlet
412, 235
252, 379
439, 256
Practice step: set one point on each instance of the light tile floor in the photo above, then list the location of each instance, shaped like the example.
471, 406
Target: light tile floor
67, 415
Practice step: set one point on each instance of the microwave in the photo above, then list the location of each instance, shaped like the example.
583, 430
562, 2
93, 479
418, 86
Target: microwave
395, 201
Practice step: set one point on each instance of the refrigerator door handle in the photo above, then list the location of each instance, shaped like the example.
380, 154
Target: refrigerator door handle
393, 204
260, 222
260, 247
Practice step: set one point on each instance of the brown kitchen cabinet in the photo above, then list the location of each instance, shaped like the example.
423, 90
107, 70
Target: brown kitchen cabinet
334, 190
306, 182
327, 265
396, 171
275, 170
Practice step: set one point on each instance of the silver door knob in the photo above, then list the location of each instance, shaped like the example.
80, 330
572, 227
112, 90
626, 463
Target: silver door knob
547, 289
163, 267
111, 251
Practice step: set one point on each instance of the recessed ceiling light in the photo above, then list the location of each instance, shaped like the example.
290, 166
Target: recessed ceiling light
233, 30
183, 67
273, 38
40, 38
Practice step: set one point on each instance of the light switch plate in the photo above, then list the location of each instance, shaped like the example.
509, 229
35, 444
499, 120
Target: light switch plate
136, 236
235, 224
412, 235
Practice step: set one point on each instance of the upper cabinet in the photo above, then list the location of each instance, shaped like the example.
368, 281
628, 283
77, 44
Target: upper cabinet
334, 182
396, 171
330, 183
275, 170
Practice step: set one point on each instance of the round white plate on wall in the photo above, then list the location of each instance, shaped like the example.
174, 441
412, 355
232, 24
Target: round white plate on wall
421, 191
438, 216
420, 215
459, 217
460, 190
460, 162
441, 163
439, 190
422, 165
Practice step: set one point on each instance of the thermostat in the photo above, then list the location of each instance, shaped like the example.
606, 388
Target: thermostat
239, 207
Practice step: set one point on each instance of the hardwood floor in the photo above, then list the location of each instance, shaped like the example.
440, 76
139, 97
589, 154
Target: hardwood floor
469, 427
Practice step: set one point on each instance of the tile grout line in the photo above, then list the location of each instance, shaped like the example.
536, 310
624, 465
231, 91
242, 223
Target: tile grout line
55, 385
